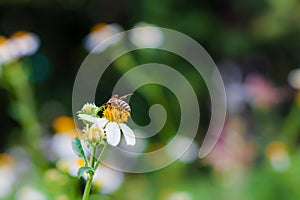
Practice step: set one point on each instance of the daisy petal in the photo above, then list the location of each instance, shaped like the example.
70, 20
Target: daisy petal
113, 133
128, 134
101, 122
88, 118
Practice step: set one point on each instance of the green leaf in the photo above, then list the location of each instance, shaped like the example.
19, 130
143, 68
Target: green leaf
77, 148
84, 169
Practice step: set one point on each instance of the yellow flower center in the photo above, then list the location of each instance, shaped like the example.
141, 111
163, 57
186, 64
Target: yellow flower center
19, 34
80, 162
276, 151
98, 27
63, 124
3, 40
115, 114
6, 160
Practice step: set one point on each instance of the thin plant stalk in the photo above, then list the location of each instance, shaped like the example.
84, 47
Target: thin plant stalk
16, 75
93, 164
101, 155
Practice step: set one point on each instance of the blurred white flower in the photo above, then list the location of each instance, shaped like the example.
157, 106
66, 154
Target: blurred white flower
261, 93
146, 35
233, 151
99, 35
66, 160
107, 179
60, 145
179, 196
26, 193
236, 98
61, 149
181, 143
20, 44
25, 43
6, 50
71, 166
278, 155
8, 175
22, 161
294, 78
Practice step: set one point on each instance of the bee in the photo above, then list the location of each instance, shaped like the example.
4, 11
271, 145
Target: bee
120, 102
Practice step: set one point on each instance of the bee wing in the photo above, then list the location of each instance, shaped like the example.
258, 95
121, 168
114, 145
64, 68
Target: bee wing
124, 97
115, 96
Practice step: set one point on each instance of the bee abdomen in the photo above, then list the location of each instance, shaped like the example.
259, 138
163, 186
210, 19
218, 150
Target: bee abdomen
124, 105
120, 103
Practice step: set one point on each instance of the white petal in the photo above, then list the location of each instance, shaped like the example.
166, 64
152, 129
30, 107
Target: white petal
88, 118
128, 134
101, 122
113, 133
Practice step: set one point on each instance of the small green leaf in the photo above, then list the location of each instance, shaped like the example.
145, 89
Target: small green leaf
77, 148
84, 169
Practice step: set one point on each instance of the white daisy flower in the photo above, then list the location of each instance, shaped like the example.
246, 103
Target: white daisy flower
146, 35
294, 78
107, 180
8, 174
26, 43
100, 34
6, 50
113, 126
27, 192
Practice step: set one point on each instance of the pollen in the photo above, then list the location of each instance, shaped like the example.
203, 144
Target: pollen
115, 114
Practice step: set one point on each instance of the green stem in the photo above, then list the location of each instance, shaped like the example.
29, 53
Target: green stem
88, 184
94, 165
101, 155
87, 188
16, 75
93, 157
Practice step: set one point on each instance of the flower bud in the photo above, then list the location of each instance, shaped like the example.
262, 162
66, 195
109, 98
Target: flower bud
93, 135
89, 109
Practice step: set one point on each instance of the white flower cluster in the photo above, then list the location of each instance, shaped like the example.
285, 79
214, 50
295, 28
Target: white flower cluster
142, 35
106, 180
111, 128
20, 44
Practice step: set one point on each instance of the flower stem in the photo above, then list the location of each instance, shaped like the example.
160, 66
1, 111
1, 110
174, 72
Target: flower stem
90, 176
16, 76
93, 164
87, 188
101, 155
93, 157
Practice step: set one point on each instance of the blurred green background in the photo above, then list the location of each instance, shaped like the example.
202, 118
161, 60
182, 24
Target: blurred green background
255, 45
